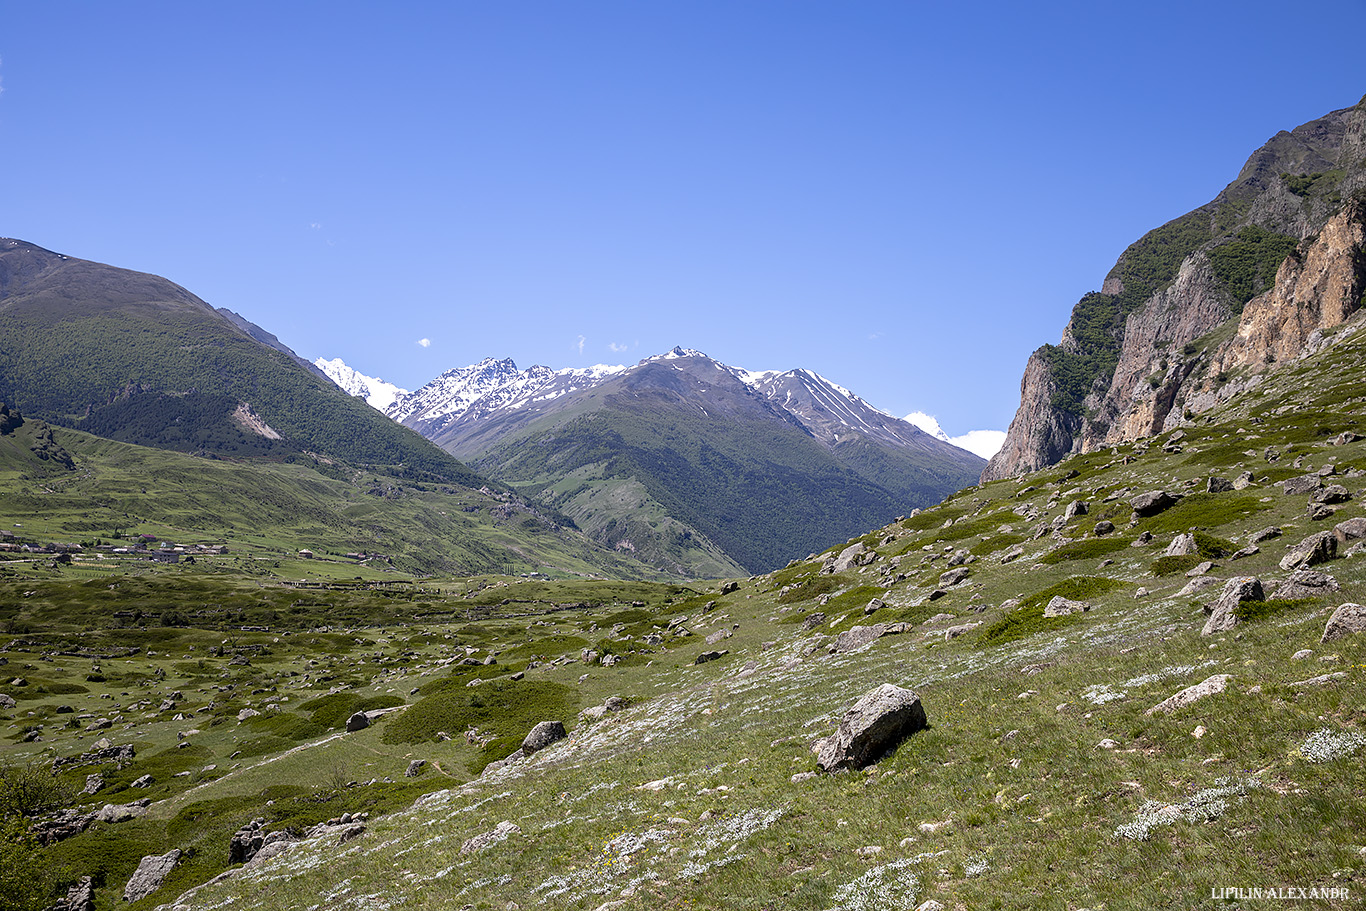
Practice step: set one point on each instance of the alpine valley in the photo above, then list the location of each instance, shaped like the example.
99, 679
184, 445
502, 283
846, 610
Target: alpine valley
696, 467
1123, 671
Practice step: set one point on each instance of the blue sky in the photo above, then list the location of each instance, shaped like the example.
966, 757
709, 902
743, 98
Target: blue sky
905, 197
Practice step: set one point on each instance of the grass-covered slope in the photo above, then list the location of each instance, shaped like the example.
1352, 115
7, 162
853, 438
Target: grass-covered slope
136, 357
1044, 780
266, 512
740, 475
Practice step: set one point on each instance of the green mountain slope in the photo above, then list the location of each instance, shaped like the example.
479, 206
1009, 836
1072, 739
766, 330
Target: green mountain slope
136, 357
67, 486
726, 466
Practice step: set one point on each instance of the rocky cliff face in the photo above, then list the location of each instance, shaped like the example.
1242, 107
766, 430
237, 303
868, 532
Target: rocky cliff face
1175, 352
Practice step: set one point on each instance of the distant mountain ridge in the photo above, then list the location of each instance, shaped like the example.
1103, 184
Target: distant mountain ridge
376, 392
691, 464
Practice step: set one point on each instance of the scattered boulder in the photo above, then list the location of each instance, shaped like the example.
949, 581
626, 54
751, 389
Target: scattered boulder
1200, 569
150, 874
953, 577
144, 782
499, 833
1074, 509
953, 632
1218, 485
357, 722
812, 621
1347, 620
1306, 583
542, 736
859, 637
122, 812
1333, 493
1249, 551
415, 768
7, 701
847, 558
1222, 616
1208, 687
1318, 512
880, 720
1266, 534
1301, 485
710, 656
730, 587
246, 841
1313, 550
1143, 540
1350, 530
1243, 481
1152, 503
719, 636
80, 897
873, 606
1182, 546
1103, 527
1013, 554
1062, 607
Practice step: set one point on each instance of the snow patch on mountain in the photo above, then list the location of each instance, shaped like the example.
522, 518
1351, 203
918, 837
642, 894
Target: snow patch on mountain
491, 385
377, 393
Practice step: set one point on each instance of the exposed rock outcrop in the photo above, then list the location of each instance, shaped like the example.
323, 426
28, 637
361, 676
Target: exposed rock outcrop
1147, 375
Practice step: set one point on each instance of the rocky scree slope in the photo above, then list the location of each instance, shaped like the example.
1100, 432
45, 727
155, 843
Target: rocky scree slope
1198, 309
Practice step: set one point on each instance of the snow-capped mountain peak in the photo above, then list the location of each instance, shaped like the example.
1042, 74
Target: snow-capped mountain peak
377, 393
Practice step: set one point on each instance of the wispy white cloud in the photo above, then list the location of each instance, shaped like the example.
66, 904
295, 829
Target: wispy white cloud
613, 346
314, 225
927, 423
581, 341
425, 342
985, 443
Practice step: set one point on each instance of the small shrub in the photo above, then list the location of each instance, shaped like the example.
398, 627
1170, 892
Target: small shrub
1259, 610
1168, 566
1083, 550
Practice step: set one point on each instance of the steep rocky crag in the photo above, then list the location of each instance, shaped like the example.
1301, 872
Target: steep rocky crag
1190, 314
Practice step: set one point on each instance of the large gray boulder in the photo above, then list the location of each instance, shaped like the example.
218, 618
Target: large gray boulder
1307, 583
150, 874
1182, 546
1304, 484
1222, 617
847, 558
879, 721
1152, 503
1350, 530
1347, 620
1313, 550
542, 736
953, 577
357, 722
